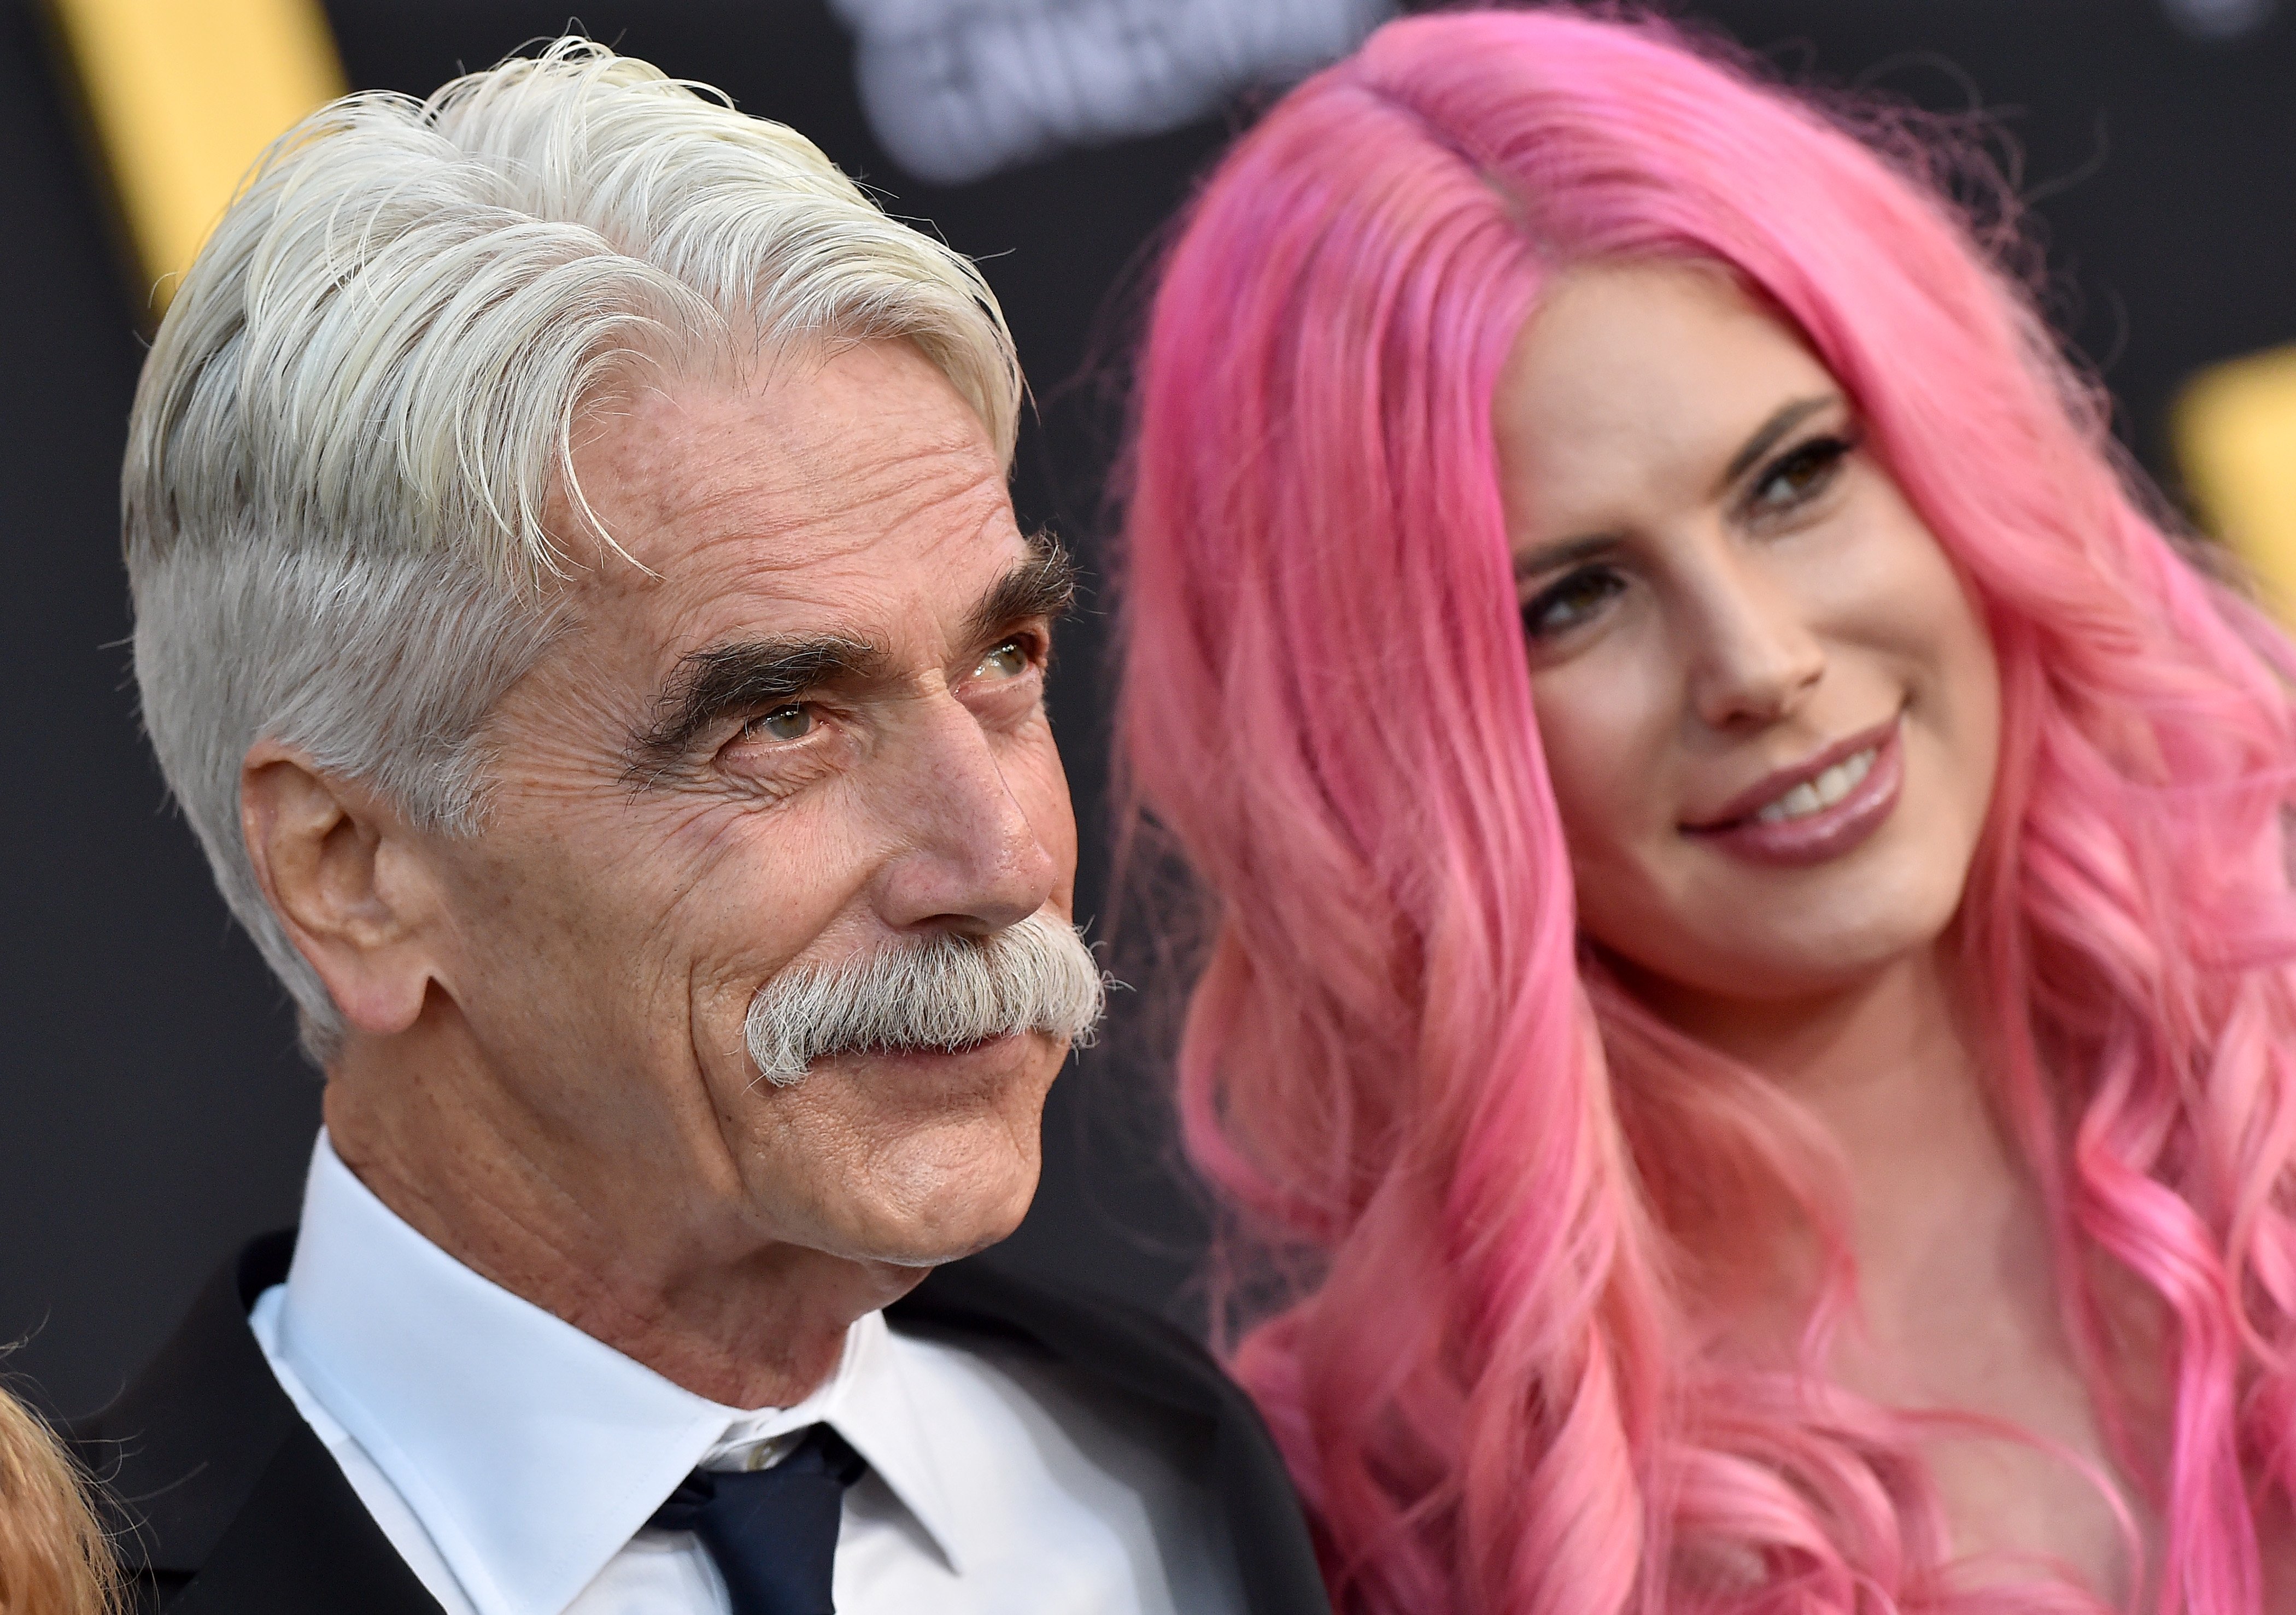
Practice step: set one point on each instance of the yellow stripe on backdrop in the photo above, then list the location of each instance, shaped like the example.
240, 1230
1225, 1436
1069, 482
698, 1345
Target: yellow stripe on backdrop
184, 96
2236, 431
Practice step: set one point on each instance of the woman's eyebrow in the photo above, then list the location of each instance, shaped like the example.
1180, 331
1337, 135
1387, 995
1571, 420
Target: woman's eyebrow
1569, 552
1783, 420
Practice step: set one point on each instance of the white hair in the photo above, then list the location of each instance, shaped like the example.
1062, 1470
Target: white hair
364, 398
944, 992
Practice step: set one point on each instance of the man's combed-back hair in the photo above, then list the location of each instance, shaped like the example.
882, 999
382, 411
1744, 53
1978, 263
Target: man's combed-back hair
1511, 1192
349, 485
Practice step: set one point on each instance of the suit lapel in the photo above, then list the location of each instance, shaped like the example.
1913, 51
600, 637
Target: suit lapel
225, 1493
1135, 1351
304, 1545
226, 1502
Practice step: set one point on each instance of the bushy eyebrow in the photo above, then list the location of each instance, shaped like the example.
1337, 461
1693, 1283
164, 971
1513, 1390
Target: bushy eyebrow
1045, 585
710, 685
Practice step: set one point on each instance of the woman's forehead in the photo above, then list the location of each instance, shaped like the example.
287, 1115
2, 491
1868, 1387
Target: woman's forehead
1638, 377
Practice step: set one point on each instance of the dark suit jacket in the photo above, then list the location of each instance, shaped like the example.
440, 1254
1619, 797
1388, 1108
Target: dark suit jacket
230, 1505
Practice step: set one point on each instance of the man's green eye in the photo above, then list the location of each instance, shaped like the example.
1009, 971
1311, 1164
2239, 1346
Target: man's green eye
792, 722
1007, 661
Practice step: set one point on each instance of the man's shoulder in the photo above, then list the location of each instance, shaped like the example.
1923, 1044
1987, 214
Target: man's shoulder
222, 1497
1128, 1351
227, 1501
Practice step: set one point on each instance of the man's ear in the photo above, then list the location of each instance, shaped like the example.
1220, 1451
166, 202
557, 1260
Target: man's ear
341, 869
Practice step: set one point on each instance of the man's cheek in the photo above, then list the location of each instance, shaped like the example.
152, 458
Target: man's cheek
1040, 785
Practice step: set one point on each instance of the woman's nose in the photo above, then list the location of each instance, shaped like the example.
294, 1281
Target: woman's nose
1754, 654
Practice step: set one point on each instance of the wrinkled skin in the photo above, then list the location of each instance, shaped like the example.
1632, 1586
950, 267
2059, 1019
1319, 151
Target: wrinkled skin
544, 1069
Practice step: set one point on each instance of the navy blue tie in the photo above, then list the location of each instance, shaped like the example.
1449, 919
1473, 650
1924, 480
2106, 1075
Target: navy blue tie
773, 1531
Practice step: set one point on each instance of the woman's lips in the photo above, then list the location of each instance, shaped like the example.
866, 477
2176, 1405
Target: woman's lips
1787, 820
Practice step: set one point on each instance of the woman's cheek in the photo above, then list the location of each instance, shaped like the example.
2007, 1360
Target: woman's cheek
1597, 726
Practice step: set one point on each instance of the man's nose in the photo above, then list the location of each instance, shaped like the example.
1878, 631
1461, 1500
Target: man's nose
1753, 653
968, 858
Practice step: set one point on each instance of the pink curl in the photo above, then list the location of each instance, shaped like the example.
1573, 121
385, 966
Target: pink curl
1474, 1164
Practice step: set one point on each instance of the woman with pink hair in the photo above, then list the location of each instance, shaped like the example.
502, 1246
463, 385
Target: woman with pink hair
1750, 1009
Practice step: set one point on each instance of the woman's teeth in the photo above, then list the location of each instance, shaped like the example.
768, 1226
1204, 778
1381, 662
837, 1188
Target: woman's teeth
1823, 792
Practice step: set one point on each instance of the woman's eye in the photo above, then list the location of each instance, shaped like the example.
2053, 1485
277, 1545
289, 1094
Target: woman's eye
1799, 474
792, 722
1007, 661
1564, 605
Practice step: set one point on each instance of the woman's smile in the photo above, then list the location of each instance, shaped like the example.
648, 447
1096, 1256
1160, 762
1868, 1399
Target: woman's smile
1813, 810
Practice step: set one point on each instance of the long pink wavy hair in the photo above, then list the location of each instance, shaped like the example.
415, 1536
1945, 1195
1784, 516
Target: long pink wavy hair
1495, 1381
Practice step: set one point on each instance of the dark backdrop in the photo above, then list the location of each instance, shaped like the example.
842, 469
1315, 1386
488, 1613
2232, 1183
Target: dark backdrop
154, 1112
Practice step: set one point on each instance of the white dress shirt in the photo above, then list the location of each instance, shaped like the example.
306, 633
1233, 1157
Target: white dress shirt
513, 1460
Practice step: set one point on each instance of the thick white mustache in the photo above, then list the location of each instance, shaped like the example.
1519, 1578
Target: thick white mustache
946, 992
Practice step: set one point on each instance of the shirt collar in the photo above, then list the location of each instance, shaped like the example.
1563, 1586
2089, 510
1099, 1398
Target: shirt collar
869, 1401
529, 1451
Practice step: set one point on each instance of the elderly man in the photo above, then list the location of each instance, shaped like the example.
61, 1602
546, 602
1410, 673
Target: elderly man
579, 609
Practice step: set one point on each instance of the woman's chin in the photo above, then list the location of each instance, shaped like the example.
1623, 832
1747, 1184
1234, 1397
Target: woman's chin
1765, 973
